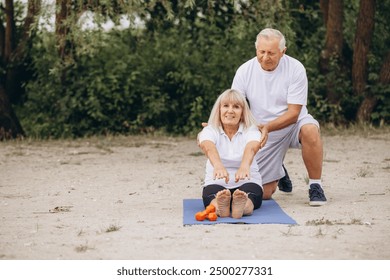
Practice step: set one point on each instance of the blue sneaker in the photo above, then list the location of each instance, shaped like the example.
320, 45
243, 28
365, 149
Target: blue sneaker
285, 184
316, 195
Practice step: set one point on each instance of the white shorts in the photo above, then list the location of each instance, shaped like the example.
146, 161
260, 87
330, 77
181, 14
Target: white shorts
270, 157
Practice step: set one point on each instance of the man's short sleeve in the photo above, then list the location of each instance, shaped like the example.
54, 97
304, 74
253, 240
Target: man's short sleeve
240, 80
298, 87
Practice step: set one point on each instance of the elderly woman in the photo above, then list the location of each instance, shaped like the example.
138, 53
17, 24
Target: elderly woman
230, 141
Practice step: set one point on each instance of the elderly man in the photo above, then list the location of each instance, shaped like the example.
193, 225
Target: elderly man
276, 87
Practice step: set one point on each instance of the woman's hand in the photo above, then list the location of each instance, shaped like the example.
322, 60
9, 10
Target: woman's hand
242, 173
220, 172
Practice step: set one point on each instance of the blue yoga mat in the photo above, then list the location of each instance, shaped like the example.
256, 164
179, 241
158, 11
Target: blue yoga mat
269, 213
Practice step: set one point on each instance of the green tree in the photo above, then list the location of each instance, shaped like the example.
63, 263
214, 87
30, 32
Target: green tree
14, 42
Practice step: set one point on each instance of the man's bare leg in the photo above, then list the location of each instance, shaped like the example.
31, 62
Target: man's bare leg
269, 189
312, 154
312, 150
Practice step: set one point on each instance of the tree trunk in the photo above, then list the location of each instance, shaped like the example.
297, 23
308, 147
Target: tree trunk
9, 123
10, 82
384, 75
12, 55
63, 10
370, 101
2, 40
9, 31
324, 6
333, 44
363, 38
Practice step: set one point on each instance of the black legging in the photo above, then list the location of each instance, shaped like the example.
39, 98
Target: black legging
254, 191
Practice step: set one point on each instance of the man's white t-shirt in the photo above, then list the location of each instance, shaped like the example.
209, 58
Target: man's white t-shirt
231, 152
269, 92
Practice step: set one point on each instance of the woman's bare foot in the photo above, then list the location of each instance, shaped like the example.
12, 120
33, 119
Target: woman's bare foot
238, 205
223, 203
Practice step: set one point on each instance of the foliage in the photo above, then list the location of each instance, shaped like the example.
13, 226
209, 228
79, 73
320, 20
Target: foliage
167, 73
381, 41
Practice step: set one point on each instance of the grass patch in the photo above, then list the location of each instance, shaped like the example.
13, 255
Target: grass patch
364, 172
306, 178
197, 154
112, 228
82, 248
363, 130
323, 221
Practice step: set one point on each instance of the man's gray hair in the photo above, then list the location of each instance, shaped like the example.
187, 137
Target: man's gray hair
269, 33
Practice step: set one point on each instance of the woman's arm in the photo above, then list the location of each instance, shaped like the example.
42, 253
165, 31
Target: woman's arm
210, 150
250, 151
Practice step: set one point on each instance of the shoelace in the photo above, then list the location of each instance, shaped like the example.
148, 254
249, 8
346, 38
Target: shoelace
316, 192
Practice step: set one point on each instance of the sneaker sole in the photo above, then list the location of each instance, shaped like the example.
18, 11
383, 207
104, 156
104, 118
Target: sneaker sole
317, 203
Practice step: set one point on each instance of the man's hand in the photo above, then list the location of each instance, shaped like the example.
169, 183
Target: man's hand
264, 134
204, 124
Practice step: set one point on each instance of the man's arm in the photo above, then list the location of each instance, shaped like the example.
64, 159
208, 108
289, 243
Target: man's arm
288, 118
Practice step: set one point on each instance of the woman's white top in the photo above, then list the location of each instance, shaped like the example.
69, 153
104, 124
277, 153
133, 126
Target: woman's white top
231, 153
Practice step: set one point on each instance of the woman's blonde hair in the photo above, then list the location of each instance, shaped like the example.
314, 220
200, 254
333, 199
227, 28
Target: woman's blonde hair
231, 95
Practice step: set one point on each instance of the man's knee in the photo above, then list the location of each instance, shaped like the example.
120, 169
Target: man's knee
269, 189
310, 134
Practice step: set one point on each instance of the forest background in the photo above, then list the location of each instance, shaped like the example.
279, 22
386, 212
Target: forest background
160, 65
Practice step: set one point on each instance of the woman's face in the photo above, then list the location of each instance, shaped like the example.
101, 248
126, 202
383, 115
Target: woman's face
231, 113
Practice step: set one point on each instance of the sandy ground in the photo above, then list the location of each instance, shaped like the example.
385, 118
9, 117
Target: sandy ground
121, 198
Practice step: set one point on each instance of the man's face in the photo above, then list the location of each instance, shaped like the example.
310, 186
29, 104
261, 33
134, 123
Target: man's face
268, 53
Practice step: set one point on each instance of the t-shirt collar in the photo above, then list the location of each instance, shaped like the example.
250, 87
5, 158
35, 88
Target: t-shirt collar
240, 129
